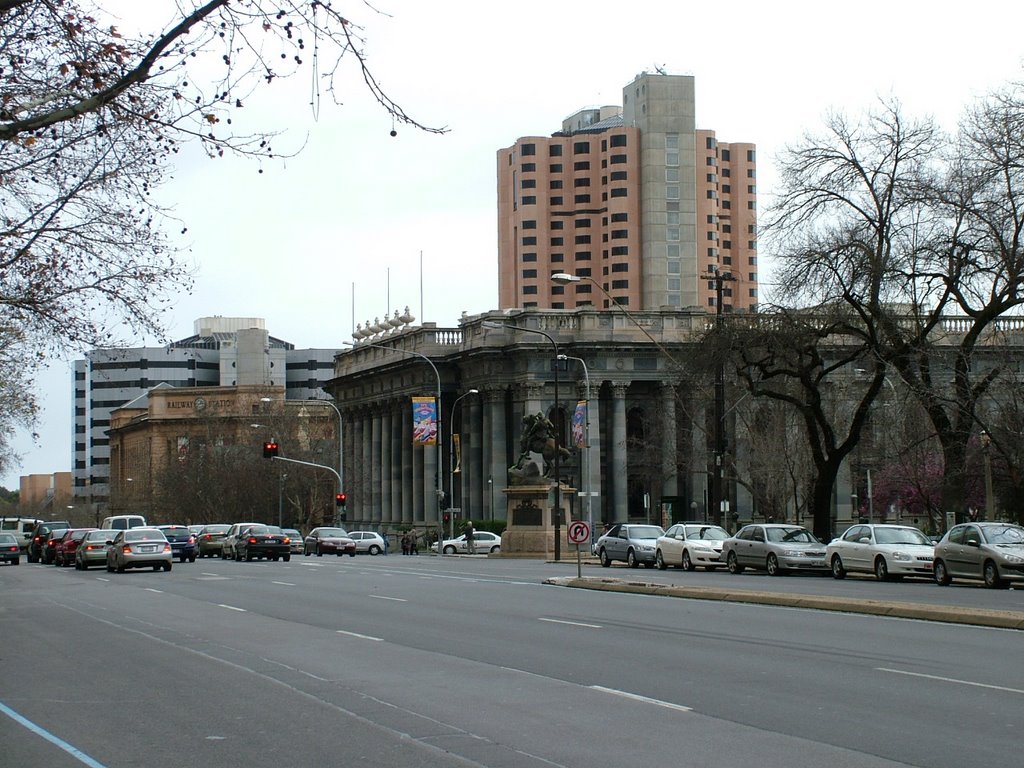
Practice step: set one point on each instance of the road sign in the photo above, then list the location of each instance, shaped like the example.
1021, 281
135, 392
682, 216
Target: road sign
579, 532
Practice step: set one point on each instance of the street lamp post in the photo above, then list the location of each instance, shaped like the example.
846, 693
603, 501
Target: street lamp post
451, 451
440, 443
588, 490
558, 430
986, 442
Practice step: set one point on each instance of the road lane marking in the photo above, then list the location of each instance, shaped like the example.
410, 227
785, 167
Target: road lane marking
56, 740
642, 699
158, 591
231, 608
361, 637
571, 623
283, 583
951, 680
385, 597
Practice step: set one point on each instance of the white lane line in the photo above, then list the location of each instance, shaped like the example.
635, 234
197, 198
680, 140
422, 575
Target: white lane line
283, 583
231, 608
950, 680
361, 637
158, 591
570, 623
643, 699
385, 597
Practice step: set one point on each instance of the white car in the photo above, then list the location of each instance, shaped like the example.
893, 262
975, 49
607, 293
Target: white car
368, 542
688, 545
888, 551
484, 542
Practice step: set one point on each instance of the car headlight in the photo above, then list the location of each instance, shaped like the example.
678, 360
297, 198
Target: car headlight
702, 548
646, 547
1015, 559
793, 553
902, 556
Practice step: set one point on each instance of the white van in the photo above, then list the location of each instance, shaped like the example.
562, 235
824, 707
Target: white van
123, 522
21, 527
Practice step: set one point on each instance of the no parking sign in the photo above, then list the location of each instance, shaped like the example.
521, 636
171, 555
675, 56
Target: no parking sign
579, 532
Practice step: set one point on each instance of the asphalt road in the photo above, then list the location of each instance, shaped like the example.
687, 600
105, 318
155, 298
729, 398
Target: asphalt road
418, 661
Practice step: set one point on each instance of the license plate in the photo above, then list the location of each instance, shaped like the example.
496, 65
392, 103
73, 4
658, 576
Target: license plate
148, 548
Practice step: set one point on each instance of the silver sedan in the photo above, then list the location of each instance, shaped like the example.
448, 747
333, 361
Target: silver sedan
774, 547
888, 551
633, 544
688, 545
139, 548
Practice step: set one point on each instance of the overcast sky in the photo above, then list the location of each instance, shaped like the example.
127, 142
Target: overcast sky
338, 234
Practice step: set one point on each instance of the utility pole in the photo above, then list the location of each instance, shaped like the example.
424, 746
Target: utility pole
717, 491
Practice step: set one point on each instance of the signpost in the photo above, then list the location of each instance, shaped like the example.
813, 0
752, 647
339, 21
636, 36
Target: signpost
579, 534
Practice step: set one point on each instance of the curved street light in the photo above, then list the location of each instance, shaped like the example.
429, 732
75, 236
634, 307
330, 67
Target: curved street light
451, 455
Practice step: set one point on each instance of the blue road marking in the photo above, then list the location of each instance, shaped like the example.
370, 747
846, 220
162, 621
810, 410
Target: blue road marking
75, 753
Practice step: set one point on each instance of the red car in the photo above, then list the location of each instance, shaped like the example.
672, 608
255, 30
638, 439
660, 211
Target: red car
329, 541
65, 548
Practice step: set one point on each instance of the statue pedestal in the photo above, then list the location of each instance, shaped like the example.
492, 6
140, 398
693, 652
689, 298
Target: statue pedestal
530, 516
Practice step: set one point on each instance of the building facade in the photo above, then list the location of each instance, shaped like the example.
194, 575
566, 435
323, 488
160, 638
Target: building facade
634, 198
222, 352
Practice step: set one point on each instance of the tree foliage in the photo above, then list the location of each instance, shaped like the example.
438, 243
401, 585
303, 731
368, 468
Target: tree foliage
91, 119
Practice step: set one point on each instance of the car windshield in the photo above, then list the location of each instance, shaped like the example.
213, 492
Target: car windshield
900, 536
215, 529
290, 532
791, 535
645, 532
100, 535
144, 534
258, 529
707, 532
78, 535
7, 538
176, 534
1004, 534
326, 532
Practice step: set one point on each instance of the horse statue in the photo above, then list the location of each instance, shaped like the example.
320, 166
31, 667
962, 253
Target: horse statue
537, 450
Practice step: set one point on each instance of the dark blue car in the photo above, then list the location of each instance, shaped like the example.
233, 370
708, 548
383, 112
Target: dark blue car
183, 542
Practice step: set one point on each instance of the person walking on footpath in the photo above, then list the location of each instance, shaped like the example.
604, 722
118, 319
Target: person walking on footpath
470, 543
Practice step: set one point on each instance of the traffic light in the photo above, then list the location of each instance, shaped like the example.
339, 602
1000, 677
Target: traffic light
340, 500
269, 449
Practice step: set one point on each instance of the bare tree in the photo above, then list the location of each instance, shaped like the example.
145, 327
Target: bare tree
90, 122
918, 236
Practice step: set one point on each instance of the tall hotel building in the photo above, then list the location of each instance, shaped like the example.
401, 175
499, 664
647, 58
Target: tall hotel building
633, 198
222, 352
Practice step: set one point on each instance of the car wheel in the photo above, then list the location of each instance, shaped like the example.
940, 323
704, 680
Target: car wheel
78, 565
319, 552
182, 558
495, 548
771, 564
605, 560
991, 574
167, 566
374, 549
248, 556
687, 562
631, 560
660, 561
350, 554
110, 567
449, 550
732, 564
119, 568
838, 571
942, 577
192, 559
156, 568
287, 558
17, 561
881, 569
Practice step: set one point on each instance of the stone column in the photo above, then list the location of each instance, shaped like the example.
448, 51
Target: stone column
473, 459
699, 478
366, 449
386, 476
617, 465
669, 452
498, 460
376, 468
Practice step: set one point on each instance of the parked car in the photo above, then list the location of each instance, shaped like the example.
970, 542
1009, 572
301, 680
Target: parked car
122, 522
10, 548
227, 543
632, 544
990, 552
294, 540
774, 547
368, 542
21, 527
210, 539
64, 552
92, 550
484, 542
183, 542
888, 551
329, 541
688, 545
139, 548
48, 549
39, 535
259, 541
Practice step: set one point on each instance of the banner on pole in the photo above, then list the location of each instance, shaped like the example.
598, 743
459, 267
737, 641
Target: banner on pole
424, 421
579, 422
457, 449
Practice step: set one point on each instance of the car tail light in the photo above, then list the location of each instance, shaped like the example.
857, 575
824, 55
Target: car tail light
127, 549
252, 539
90, 547
167, 547
14, 548
286, 540
191, 539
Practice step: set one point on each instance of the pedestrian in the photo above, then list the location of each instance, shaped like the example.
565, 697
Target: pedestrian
412, 544
405, 543
470, 543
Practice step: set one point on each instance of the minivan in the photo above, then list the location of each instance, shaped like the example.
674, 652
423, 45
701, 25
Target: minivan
123, 522
21, 527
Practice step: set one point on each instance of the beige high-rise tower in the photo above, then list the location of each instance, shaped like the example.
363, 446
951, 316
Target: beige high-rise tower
633, 197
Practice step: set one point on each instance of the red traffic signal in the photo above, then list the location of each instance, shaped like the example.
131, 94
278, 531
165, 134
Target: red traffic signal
340, 499
269, 449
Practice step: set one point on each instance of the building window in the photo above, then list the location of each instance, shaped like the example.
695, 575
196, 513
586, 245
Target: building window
753, 277
751, 205
555, 184
557, 258
712, 178
554, 150
710, 142
672, 175
673, 267
581, 223
673, 251
582, 255
555, 168
619, 192
726, 205
581, 147
751, 173
528, 149
582, 239
671, 141
727, 228
751, 189
672, 234
620, 234
528, 184
529, 273
528, 200
557, 290
620, 250
529, 289
751, 156
619, 159
530, 224
556, 201
726, 155
620, 217
583, 272
672, 158
712, 161
752, 261
620, 267
581, 165
727, 244
583, 287
618, 140
530, 240
671, 192
532, 256
557, 225
618, 176
557, 241
727, 189
584, 182
674, 284
752, 292
579, 199
726, 173
529, 167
